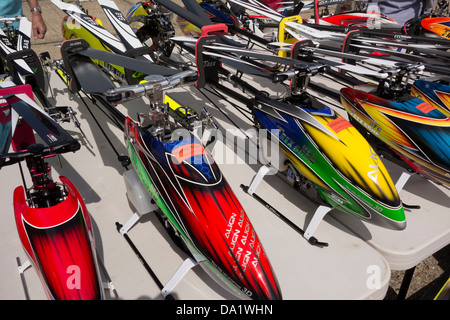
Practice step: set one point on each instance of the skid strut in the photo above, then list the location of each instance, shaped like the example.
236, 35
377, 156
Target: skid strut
318, 215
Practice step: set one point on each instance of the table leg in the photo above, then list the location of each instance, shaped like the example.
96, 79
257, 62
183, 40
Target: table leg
405, 283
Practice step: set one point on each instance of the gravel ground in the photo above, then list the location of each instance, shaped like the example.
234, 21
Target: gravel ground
425, 273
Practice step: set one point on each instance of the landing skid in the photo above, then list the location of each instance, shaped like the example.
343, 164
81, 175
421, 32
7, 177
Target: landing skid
320, 212
166, 290
401, 182
143, 202
22, 268
318, 216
